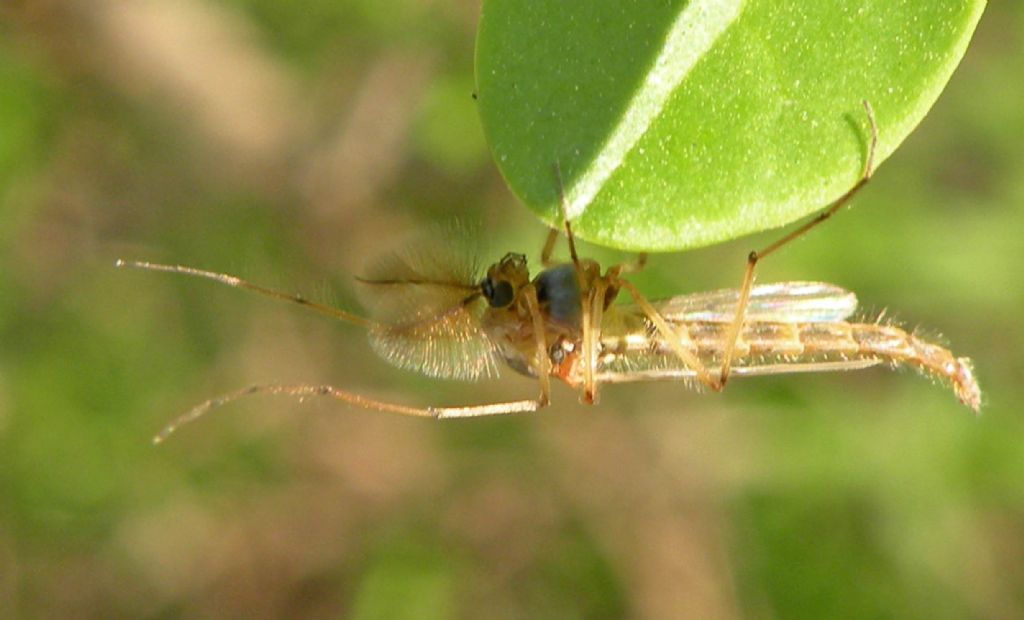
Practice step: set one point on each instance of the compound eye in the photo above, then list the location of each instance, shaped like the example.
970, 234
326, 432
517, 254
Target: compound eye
498, 294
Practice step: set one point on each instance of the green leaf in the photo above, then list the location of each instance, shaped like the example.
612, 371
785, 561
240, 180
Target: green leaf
680, 124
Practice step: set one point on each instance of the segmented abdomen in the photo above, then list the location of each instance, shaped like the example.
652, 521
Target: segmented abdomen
766, 344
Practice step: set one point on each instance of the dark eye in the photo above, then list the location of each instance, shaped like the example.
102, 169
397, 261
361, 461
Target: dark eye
498, 294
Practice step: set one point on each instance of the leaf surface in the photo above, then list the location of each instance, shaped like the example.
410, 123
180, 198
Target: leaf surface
680, 124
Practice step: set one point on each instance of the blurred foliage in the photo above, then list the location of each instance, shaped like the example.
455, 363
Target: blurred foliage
291, 144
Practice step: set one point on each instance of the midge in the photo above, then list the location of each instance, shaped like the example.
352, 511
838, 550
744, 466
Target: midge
434, 315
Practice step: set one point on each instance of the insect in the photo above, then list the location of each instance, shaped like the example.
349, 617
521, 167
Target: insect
435, 315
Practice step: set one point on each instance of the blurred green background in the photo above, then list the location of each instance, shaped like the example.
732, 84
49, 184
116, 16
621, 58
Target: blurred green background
292, 142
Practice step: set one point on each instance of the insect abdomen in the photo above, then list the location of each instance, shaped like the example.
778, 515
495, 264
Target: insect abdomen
802, 345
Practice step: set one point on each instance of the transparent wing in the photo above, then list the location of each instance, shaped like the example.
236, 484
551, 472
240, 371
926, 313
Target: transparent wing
755, 370
425, 301
782, 302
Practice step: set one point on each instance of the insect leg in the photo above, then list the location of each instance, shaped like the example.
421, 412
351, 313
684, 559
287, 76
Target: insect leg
549, 247
635, 266
671, 336
732, 335
593, 312
543, 369
565, 216
304, 391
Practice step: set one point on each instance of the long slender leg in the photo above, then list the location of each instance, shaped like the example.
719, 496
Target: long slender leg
732, 334
303, 391
540, 338
590, 329
549, 247
671, 336
593, 292
236, 282
635, 266
587, 345
565, 216
592, 339
468, 411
